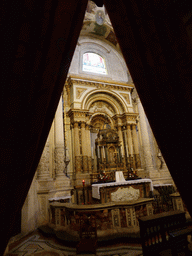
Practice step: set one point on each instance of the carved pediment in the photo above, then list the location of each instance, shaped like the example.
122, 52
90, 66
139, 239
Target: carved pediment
125, 194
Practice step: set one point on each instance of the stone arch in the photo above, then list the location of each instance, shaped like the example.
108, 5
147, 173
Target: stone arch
103, 118
109, 107
111, 97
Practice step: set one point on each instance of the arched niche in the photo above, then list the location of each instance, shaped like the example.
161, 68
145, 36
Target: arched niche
117, 102
100, 121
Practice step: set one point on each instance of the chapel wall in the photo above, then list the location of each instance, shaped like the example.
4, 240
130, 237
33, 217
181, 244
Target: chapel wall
116, 67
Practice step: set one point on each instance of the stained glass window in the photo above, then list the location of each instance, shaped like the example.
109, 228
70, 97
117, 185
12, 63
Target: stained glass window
93, 62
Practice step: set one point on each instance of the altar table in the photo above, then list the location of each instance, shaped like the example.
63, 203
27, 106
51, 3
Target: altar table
96, 187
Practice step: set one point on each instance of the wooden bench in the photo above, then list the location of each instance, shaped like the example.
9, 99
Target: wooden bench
164, 231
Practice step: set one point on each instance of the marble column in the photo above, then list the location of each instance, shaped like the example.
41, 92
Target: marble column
130, 146
136, 147
149, 167
61, 186
84, 148
89, 153
126, 149
78, 164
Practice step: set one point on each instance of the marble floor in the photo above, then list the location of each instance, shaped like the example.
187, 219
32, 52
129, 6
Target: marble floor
39, 245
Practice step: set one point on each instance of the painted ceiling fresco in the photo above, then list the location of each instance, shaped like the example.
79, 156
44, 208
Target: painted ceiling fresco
97, 22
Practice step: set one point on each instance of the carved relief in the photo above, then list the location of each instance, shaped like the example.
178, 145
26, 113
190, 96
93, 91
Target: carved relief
125, 194
43, 167
59, 160
79, 92
126, 97
101, 106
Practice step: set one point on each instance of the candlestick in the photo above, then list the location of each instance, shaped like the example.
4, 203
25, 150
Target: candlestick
83, 191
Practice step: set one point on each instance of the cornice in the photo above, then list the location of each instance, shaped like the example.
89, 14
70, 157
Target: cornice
77, 112
98, 83
125, 119
125, 115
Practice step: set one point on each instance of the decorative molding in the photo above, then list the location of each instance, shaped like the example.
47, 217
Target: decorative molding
116, 218
126, 118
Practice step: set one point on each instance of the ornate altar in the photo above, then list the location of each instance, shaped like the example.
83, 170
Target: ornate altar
131, 190
108, 151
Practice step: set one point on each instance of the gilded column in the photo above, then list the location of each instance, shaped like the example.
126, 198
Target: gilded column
130, 146
136, 147
78, 164
84, 147
122, 144
89, 148
121, 140
126, 150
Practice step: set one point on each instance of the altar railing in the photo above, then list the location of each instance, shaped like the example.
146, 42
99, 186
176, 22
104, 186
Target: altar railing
110, 217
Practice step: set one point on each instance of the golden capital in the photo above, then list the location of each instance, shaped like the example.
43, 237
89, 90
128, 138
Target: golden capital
82, 124
76, 124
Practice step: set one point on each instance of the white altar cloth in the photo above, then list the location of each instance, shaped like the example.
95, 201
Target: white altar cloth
119, 177
96, 187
